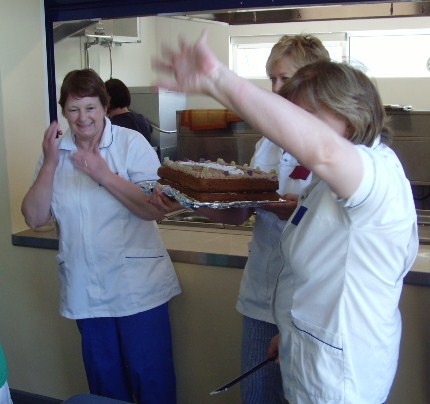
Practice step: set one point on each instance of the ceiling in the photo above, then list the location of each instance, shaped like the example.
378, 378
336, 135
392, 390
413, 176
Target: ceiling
281, 15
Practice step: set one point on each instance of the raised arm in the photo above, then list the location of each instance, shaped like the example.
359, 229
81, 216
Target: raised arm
36, 206
313, 142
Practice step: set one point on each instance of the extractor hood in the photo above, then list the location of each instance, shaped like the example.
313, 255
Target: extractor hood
64, 30
316, 13
120, 30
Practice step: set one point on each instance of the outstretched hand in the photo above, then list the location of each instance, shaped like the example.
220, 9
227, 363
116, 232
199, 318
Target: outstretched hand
192, 66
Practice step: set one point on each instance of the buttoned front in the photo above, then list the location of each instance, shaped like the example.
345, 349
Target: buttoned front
336, 302
111, 263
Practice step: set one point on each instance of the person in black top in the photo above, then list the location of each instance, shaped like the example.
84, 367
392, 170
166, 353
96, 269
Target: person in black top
119, 113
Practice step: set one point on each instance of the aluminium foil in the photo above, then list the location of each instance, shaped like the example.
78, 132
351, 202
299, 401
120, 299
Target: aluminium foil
191, 203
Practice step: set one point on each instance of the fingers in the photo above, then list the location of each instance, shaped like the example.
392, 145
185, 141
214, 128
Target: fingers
51, 132
80, 161
191, 65
168, 85
162, 66
182, 44
203, 38
165, 65
162, 202
290, 197
273, 347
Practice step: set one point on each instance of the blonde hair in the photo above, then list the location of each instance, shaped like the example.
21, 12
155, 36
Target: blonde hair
300, 49
344, 91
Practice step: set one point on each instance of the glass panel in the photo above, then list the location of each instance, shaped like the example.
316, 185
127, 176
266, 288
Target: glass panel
391, 55
249, 60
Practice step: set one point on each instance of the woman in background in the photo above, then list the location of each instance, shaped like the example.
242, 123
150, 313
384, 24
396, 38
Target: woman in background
119, 113
116, 277
353, 236
265, 259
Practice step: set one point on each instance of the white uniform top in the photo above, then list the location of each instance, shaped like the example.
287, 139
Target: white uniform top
111, 263
265, 259
336, 299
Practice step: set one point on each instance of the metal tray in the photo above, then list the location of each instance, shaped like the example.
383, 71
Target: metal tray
191, 203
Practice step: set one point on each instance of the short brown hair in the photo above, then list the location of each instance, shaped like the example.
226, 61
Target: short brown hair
83, 83
344, 91
119, 94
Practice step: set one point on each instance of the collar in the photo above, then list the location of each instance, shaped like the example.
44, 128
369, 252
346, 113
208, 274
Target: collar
376, 142
67, 141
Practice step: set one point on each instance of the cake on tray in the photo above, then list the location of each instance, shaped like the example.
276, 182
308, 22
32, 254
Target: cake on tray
208, 181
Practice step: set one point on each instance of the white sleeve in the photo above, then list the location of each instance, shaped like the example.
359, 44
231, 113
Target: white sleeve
267, 156
142, 160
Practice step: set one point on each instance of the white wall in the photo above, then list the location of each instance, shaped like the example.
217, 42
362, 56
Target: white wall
41, 347
22, 64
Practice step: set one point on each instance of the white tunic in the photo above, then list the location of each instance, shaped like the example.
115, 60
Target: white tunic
111, 263
265, 259
336, 299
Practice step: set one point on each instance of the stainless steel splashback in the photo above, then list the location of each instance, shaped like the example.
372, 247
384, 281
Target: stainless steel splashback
236, 142
411, 142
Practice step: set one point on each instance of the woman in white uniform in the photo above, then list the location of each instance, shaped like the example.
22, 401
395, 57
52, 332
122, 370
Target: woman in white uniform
265, 386
353, 236
116, 277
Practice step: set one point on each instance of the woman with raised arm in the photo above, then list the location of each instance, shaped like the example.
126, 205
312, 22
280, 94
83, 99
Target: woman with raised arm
353, 236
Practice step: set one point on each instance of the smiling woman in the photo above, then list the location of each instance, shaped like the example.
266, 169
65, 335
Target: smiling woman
84, 107
116, 277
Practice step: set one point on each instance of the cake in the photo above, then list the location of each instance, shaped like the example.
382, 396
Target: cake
208, 181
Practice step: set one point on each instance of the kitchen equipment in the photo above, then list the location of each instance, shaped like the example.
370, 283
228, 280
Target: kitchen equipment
213, 134
243, 375
411, 142
160, 107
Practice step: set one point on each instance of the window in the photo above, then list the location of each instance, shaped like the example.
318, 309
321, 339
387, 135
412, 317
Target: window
391, 55
381, 54
249, 54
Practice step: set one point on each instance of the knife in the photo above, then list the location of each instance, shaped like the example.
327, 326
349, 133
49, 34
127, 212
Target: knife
243, 375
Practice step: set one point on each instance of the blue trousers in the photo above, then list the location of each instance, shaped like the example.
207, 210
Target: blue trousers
265, 385
130, 358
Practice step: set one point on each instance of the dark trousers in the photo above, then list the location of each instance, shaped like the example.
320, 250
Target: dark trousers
130, 358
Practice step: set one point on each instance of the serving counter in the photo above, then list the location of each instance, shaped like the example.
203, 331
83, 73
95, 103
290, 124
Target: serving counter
220, 246
207, 329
